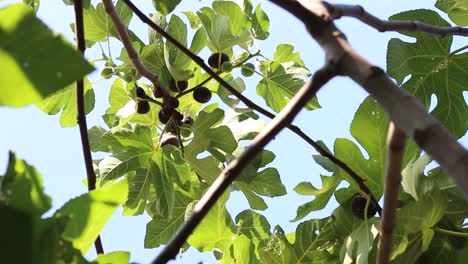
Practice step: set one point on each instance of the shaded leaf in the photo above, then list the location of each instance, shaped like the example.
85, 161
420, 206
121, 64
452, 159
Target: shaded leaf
216, 230
161, 229
21, 188
165, 6
456, 9
89, 213
114, 257
282, 78
30, 74
98, 25
65, 101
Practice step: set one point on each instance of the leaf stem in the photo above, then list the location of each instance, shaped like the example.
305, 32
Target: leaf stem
450, 232
81, 113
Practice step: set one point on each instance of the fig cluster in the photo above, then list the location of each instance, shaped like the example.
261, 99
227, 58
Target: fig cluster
358, 207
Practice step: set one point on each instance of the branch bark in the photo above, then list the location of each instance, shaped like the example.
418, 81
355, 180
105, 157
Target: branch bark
295, 129
126, 41
81, 113
403, 108
337, 11
396, 141
230, 173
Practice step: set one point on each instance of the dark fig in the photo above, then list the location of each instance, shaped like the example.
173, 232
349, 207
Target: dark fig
217, 59
177, 117
157, 92
178, 86
171, 102
143, 107
202, 94
358, 205
169, 139
140, 93
165, 114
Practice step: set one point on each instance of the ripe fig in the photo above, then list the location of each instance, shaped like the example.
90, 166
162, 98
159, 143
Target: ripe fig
157, 92
248, 69
171, 102
202, 94
165, 114
217, 59
143, 107
358, 205
169, 139
178, 86
140, 93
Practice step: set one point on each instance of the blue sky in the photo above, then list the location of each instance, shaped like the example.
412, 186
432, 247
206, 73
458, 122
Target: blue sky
56, 152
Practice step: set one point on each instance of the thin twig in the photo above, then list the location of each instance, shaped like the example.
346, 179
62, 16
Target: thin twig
357, 11
126, 41
249, 103
81, 113
458, 50
229, 174
396, 141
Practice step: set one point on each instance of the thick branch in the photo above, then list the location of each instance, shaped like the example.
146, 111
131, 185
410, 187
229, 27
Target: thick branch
81, 113
403, 108
127, 42
396, 140
248, 102
357, 11
229, 174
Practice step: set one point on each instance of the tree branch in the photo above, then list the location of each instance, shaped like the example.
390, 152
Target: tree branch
396, 141
229, 174
359, 180
404, 109
337, 11
127, 42
81, 113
